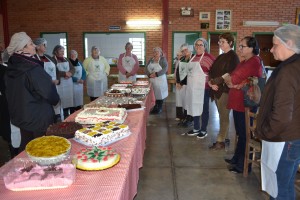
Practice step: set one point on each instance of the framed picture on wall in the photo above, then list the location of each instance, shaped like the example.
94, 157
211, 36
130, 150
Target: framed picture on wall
298, 16
204, 16
223, 20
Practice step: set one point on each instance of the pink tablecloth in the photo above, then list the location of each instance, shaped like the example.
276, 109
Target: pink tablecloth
119, 182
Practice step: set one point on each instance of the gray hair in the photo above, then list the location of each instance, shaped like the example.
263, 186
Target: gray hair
94, 48
185, 46
205, 43
158, 49
289, 36
40, 41
56, 49
74, 52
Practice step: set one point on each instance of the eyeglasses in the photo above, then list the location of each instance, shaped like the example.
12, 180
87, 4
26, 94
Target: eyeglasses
222, 41
199, 45
241, 46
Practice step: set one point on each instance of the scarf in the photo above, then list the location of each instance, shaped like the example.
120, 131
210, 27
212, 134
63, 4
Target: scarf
74, 62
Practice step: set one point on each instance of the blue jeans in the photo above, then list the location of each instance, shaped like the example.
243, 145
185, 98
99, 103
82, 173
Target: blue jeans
240, 128
287, 169
205, 113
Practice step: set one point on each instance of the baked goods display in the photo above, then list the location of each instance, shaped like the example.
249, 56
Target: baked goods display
96, 115
130, 106
64, 129
23, 174
48, 150
119, 86
114, 93
140, 91
96, 158
102, 134
141, 83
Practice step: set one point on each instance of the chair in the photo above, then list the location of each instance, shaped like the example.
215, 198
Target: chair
253, 145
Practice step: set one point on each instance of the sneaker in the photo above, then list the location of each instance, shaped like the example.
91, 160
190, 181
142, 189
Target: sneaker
186, 133
235, 170
202, 134
177, 119
192, 133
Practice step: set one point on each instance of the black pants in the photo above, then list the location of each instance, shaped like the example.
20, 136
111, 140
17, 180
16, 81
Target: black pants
27, 136
93, 98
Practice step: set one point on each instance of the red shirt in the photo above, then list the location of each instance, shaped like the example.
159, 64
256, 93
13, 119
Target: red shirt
251, 67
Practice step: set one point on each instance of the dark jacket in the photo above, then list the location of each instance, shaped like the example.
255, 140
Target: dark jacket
5, 131
279, 114
30, 94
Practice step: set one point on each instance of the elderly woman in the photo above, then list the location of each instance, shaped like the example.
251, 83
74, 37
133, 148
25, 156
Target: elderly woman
78, 80
128, 64
65, 73
279, 116
30, 92
49, 66
225, 63
250, 66
97, 69
156, 70
197, 91
179, 96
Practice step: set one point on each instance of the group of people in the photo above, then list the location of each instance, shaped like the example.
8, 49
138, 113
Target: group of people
201, 75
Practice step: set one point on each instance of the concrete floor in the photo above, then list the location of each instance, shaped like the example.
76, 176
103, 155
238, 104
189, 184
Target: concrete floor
183, 168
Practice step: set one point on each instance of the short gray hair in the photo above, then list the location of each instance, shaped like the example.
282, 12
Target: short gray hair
74, 52
205, 43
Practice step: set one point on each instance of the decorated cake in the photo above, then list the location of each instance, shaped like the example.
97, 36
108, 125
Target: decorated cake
141, 83
96, 158
140, 91
114, 93
102, 134
64, 129
24, 175
48, 150
96, 115
130, 106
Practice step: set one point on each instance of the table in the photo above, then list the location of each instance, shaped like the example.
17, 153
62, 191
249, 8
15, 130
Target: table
117, 183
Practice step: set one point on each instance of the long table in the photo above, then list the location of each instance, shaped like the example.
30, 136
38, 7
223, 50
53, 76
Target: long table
116, 183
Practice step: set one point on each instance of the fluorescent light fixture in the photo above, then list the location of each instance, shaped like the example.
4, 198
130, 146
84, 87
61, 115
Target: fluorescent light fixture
260, 23
143, 22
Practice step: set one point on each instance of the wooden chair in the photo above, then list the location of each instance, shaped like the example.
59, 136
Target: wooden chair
253, 145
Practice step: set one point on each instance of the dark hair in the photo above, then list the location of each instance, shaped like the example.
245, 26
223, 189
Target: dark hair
252, 42
56, 49
228, 37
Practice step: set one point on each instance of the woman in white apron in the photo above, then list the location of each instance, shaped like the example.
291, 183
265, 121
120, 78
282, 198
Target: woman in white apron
196, 80
65, 73
128, 65
179, 89
50, 68
279, 116
78, 80
156, 70
97, 69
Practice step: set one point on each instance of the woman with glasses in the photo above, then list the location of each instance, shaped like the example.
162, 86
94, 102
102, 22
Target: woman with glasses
197, 90
249, 66
225, 63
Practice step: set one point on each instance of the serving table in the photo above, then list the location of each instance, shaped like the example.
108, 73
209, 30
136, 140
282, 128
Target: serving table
116, 183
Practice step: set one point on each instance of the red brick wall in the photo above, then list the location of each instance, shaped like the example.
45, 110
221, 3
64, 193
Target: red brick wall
76, 17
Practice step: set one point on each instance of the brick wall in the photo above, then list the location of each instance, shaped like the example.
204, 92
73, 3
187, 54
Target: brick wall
76, 17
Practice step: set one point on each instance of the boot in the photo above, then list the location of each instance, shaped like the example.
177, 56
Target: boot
179, 113
159, 106
155, 108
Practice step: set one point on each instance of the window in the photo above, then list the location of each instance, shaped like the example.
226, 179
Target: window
54, 39
138, 48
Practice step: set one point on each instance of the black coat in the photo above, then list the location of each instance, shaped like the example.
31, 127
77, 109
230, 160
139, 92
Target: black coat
5, 131
30, 94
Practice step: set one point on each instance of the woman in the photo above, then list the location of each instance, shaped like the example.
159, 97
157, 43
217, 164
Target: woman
179, 96
65, 73
279, 116
197, 91
250, 66
156, 70
50, 68
97, 69
30, 92
78, 80
225, 63
128, 64
187, 120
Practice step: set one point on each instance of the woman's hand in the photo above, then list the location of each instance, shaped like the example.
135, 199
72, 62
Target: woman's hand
153, 75
178, 86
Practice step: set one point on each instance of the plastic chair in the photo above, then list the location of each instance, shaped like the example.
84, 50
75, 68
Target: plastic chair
253, 145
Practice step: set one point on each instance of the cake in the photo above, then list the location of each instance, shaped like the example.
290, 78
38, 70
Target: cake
96, 158
64, 129
130, 106
48, 150
102, 134
114, 93
26, 175
141, 83
140, 91
96, 115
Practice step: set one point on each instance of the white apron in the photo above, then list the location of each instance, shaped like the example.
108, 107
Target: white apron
180, 94
195, 88
50, 68
65, 88
96, 81
160, 84
128, 63
271, 153
78, 87
15, 136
